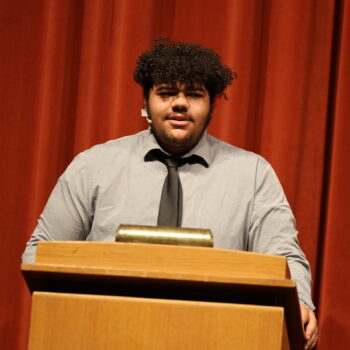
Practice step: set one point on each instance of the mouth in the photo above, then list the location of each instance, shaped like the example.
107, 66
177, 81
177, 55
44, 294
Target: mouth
178, 119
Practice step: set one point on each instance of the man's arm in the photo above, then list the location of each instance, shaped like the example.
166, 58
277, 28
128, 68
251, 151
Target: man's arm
68, 212
272, 231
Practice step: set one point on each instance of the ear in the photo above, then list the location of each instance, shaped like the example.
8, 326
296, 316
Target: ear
145, 114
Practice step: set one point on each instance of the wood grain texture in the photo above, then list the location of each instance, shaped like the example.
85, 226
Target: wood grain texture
190, 275
99, 271
155, 258
71, 321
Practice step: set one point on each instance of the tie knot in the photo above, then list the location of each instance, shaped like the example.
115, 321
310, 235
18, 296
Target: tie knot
170, 162
174, 162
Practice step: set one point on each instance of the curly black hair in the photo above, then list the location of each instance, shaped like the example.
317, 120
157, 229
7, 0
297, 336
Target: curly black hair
170, 62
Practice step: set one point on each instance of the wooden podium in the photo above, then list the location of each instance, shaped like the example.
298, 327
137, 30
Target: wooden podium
95, 295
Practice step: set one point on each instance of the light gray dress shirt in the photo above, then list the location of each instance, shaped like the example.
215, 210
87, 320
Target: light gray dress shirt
237, 195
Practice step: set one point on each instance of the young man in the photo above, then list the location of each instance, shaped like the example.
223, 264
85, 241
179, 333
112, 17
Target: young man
233, 192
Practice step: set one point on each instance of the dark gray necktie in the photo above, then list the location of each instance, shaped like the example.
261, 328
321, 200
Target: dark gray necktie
170, 208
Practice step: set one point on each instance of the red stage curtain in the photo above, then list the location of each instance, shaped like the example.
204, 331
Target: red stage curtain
66, 84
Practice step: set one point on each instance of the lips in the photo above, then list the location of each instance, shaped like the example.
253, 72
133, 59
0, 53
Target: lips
178, 116
178, 120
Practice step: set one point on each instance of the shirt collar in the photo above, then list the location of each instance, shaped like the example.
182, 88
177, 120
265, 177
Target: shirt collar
202, 149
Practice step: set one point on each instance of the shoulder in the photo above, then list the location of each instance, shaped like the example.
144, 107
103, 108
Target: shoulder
229, 154
126, 144
238, 164
117, 148
108, 155
246, 169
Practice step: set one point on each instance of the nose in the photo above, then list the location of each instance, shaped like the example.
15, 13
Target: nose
179, 103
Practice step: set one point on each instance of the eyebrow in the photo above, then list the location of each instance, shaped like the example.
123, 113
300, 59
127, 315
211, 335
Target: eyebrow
172, 87
166, 87
193, 88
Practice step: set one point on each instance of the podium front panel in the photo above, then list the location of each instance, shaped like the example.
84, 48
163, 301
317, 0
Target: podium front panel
76, 321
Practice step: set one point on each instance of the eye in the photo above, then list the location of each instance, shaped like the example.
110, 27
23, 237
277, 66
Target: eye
195, 95
166, 93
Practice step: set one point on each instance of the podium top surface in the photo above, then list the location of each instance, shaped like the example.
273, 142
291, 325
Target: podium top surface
161, 261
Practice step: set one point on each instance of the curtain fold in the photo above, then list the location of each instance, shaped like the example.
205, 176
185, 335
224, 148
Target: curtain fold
66, 70
333, 284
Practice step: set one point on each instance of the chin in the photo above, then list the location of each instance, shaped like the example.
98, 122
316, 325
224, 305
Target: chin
179, 134
180, 138
180, 145
176, 141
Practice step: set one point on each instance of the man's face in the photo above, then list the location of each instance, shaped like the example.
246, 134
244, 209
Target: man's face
179, 114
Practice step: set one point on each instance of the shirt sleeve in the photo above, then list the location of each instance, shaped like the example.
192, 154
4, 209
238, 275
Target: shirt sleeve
68, 213
272, 229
